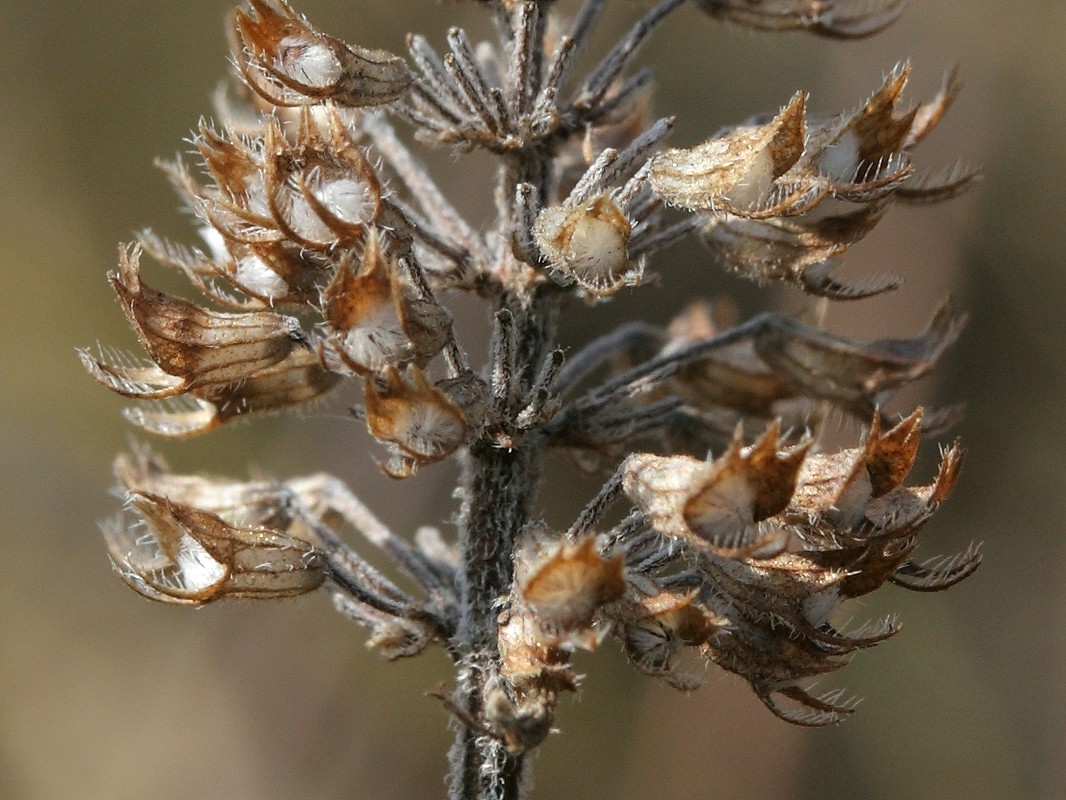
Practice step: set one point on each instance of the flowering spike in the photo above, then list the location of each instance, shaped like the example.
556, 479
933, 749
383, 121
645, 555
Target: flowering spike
327, 253
296, 380
796, 250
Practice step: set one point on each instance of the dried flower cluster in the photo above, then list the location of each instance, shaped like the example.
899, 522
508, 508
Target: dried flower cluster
327, 254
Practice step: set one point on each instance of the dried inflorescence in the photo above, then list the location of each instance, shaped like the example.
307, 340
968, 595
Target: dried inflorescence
328, 253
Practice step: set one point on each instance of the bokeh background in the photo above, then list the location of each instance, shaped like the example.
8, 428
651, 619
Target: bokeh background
103, 695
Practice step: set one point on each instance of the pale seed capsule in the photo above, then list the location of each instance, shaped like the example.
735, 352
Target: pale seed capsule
718, 504
588, 244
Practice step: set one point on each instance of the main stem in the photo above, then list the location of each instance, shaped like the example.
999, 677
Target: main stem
499, 483
498, 487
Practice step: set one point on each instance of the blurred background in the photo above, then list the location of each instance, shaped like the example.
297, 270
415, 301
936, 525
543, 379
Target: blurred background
104, 695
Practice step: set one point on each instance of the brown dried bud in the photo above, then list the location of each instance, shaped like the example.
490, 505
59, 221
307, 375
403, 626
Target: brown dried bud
736, 172
797, 251
298, 379
568, 586
207, 367
418, 420
290, 63
587, 244
236, 165
717, 504
376, 319
321, 192
773, 661
534, 670
896, 517
191, 557
855, 374
315, 191
192, 347
732, 378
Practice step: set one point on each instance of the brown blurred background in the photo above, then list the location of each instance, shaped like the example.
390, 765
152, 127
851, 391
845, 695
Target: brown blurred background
103, 695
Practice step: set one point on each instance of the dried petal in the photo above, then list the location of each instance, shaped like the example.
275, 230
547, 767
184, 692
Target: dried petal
829, 708
271, 273
297, 380
130, 376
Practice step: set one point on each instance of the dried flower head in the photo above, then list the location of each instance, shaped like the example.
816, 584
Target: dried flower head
588, 244
328, 252
180, 554
290, 63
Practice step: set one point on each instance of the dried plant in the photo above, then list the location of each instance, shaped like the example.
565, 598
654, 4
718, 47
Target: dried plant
726, 534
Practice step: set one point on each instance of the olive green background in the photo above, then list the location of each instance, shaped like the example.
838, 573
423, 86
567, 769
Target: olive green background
103, 695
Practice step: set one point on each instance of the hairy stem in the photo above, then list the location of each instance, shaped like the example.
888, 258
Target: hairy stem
498, 489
